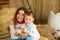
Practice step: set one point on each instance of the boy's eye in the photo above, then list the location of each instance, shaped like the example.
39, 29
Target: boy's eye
29, 19
26, 19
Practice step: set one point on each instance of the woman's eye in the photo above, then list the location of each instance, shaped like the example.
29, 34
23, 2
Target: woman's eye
23, 14
18, 13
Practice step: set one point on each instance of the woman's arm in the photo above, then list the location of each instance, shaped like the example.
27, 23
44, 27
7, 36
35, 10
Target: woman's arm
12, 33
11, 26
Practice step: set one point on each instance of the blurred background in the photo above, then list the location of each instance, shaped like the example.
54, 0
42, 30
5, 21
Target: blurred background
40, 8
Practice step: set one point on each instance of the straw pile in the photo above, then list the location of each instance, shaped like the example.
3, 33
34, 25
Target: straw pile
46, 31
6, 14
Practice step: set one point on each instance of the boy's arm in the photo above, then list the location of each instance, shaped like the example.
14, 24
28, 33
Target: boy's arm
34, 32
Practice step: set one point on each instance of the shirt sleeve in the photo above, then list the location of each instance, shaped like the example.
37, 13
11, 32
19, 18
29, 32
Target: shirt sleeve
34, 32
12, 31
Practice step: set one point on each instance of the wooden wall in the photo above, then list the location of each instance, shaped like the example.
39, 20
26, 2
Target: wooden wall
4, 4
40, 8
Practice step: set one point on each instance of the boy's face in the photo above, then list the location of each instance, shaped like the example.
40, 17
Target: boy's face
28, 20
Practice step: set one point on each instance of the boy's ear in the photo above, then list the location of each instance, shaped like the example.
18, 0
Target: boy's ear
33, 19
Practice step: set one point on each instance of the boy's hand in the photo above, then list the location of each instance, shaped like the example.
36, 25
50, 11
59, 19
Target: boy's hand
24, 30
23, 35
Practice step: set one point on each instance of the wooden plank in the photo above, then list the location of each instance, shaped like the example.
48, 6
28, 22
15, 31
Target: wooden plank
4, 2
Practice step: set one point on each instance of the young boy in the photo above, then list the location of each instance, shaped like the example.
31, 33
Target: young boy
32, 33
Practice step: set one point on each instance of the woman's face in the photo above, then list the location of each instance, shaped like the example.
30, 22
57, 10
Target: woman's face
20, 16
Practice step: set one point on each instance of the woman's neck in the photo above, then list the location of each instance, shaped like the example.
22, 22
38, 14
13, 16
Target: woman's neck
20, 22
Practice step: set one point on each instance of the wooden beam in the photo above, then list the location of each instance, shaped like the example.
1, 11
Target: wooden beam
4, 2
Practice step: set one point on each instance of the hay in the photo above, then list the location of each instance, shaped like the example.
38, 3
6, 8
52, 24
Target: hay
43, 38
46, 31
6, 14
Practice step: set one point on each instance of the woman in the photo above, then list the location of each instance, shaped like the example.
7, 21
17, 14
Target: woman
18, 19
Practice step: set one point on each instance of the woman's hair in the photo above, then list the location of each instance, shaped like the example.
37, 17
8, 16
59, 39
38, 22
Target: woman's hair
15, 17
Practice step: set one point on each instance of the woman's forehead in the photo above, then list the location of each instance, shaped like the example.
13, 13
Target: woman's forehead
21, 12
